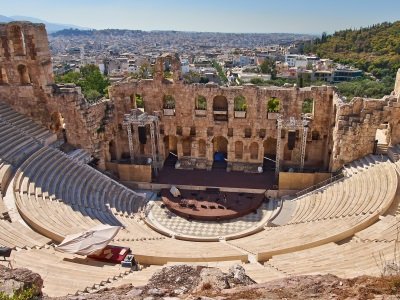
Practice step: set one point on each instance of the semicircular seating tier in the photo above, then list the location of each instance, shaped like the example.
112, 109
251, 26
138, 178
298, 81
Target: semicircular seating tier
58, 196
328, 215
66, 274
369, 251
19, 138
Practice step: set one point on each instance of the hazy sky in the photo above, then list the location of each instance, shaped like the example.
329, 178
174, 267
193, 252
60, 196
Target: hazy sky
301, 16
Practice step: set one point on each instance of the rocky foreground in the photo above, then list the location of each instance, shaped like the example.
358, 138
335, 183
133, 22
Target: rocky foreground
201, 283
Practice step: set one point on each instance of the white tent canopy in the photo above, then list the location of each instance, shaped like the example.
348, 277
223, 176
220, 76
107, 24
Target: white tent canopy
89, 241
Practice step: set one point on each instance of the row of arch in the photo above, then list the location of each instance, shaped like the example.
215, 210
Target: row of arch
219, 144
23, 74
220, 103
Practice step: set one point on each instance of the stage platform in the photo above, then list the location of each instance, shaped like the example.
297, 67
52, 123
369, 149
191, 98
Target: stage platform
211, 204
216, 178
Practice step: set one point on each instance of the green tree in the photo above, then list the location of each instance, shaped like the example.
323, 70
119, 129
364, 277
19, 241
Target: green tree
268, 67
366, 88
239, 103
92, 95
257, 81
94, 84
273, 105
220, 71
192, 77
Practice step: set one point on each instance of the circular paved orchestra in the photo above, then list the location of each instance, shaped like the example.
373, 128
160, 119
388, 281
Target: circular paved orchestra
211, 204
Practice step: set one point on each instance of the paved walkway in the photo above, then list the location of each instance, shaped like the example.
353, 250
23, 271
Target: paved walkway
168, 222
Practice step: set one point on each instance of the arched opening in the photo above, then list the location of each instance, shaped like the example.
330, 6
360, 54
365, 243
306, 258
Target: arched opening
220, 103
3, 76
269, 146
112, 151
220, 150
169, 102
18, 40
171, 145
23, 75
382, 139
254, 150
308, 107
139, 101
167, 69
187, 146
202, 148
201, 103
171, 150
239, 106
220, 108
169, 105
239, 103
273, 108
238, 150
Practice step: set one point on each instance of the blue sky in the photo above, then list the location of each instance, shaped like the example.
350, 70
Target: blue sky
300, 16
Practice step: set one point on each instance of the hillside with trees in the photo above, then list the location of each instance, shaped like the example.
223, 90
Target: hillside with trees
374, 49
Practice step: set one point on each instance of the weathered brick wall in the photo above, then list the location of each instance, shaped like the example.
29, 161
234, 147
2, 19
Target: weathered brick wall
233, 129
25, 65
356, 125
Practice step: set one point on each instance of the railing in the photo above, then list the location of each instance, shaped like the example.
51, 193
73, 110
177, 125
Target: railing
318, 186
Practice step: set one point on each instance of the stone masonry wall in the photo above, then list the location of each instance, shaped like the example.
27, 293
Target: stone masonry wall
260, 127
356, 125
338, 132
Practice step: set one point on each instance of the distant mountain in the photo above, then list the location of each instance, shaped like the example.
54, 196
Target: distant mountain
4, 19
50, 27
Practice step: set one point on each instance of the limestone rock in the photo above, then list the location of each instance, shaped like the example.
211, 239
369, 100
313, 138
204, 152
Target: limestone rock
18, 280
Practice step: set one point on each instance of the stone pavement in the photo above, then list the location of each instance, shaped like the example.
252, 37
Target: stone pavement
167, 221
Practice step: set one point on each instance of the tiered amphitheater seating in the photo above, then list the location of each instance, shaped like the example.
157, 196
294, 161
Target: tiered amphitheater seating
65, 274
363, 163
394, 152
15, 147
25, 125
352, 196
57, 200
338, 212
387, 229
158, 252
5, 174
58, 196
348, 260
17, 235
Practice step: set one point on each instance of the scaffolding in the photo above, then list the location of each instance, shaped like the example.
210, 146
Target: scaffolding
291, 124
137, 119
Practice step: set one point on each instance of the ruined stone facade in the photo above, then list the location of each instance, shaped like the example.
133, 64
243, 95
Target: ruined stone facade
196, 120
245, 135
27, 84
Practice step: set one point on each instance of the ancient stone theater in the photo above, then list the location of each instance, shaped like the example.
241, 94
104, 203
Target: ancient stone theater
282, 181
